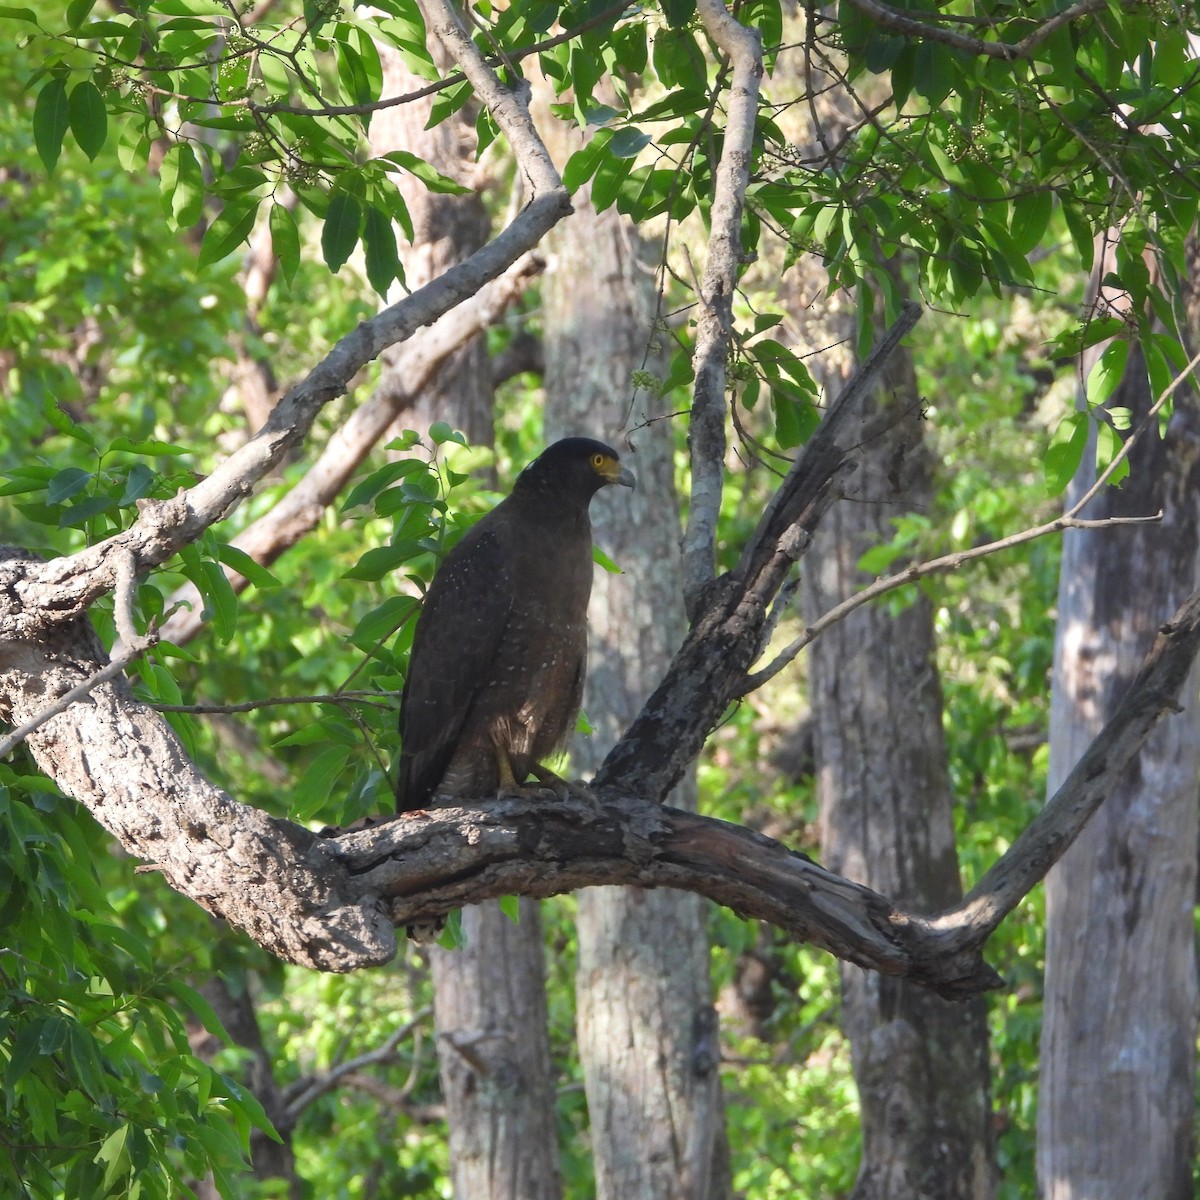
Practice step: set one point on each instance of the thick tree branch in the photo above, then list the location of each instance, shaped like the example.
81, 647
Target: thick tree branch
272, 879
1154, 691
332, 903
714, 326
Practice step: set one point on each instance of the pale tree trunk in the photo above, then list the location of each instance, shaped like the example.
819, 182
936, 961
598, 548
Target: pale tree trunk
920, 1062
1117, 1091
494, 1057
646, 1024
489, 996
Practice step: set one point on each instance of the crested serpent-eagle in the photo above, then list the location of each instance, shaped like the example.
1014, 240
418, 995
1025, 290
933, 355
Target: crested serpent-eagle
495, 677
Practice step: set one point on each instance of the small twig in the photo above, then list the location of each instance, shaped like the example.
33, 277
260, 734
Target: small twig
304, 1091
378, 699
950, 562
1139, 429
9, 743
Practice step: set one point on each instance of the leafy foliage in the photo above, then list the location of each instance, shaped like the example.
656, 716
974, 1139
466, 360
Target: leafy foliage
147, 145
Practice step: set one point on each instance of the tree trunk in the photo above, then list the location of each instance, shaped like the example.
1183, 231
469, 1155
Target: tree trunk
920, 1062
1117, 1093
494, 1057
647, 1027
489, 995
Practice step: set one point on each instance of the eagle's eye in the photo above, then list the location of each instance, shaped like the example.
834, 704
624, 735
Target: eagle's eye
597, 461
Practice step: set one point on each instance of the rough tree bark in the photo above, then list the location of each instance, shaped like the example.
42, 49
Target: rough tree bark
1117, 1097
647, 1028
920, 1061
489, 996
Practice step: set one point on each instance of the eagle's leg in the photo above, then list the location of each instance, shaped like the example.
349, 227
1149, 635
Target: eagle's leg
508, 781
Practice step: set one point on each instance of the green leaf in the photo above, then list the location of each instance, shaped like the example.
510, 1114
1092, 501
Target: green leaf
112, 1153
78, 12
581, 166
937, 71
430, 176
138, 483
381, 622
607, 184
70, 481
379, 245
313, 793
367, 489
228, 231
789, 430
601, 559
18, 14
441, 432
678, 12
339, 235
1108, 446
245, 566
1081, 234
220, 600
285, 240
89, 117
1030, 217
352, 71
452, 936
510, 906
628, 142
51, 118
1065, 452
54, 1034
22, 1055
147, 446
382, 560
199, 1007
1106, 375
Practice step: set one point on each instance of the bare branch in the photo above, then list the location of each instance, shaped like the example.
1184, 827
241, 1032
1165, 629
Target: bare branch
714, 328
934, 566
299, 511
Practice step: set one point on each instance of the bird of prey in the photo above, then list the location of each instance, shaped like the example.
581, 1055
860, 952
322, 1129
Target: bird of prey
495, 677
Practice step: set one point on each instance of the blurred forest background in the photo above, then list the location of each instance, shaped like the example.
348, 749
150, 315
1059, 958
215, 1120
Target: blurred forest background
169, 267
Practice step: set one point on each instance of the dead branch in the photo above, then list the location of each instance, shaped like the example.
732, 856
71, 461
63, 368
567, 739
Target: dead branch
709, 670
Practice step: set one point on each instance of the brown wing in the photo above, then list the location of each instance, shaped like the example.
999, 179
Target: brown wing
458, 636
